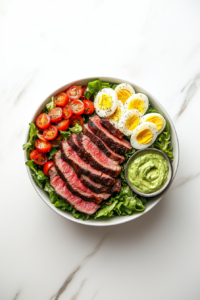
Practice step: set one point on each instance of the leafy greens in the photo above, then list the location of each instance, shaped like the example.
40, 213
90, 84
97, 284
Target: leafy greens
95, 86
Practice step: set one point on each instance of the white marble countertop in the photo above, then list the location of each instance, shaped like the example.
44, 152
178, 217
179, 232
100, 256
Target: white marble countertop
44, 45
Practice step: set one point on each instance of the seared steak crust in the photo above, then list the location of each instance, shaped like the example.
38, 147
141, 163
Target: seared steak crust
99, 188
72, 141
96, 158
81, 167
101, 145
117, 145
60, 188
114, 131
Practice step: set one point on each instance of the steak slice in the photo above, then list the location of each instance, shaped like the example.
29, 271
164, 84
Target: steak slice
72, 141
60, 188
101, 145
97, 159
114, 131
73, 183
98, 187
117, 145
81, 167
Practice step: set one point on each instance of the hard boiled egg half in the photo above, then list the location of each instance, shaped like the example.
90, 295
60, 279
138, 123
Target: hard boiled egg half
124, 91
155, 118
138, 101
105, 102
144, 135
129, 121
117, 115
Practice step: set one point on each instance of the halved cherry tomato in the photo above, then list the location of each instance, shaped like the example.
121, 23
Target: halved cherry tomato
62, 125
76, 119
55, 114
43, 146
43, 121
47, 166
50, 133
77, 107
89, 107
57, 141
84, 87
67, 112
61, 99
40, 135
38, 158
74, 92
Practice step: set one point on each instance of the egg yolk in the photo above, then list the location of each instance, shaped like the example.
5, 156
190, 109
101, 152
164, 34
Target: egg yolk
144, 136
157, 121
105, 101
116, 116
132, 122
123, 95
137, 104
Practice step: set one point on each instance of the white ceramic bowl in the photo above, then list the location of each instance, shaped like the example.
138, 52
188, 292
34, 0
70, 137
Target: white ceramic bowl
151, 203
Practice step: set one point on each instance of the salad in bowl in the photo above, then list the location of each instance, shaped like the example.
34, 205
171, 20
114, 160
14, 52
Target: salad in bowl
80, 141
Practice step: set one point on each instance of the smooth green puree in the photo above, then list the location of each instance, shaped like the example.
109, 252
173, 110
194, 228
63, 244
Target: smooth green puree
148, 172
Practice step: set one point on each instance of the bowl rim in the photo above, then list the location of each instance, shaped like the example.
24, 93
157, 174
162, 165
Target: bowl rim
164, 187
121, 220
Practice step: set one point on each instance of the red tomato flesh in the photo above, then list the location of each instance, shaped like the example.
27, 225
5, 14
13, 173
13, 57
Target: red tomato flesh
74, 92
57, 141
61, 99
77, 107
89, 107
43, 146
67, 112
40, 135
84, 87
55, 114
38, 158
76, 119
50, 133
62, 125
47, 166
43, 121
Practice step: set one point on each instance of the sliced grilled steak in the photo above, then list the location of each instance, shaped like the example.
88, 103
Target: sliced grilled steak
80, 167
72, 141
117, 145
96, 158
99, 188
101, 145
114, 131
73, 183
60, 188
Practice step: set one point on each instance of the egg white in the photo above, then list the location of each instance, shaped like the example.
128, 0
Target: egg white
105, 113
123, 120
145, 117
147, 125
139, 96
115, 123
124, 86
